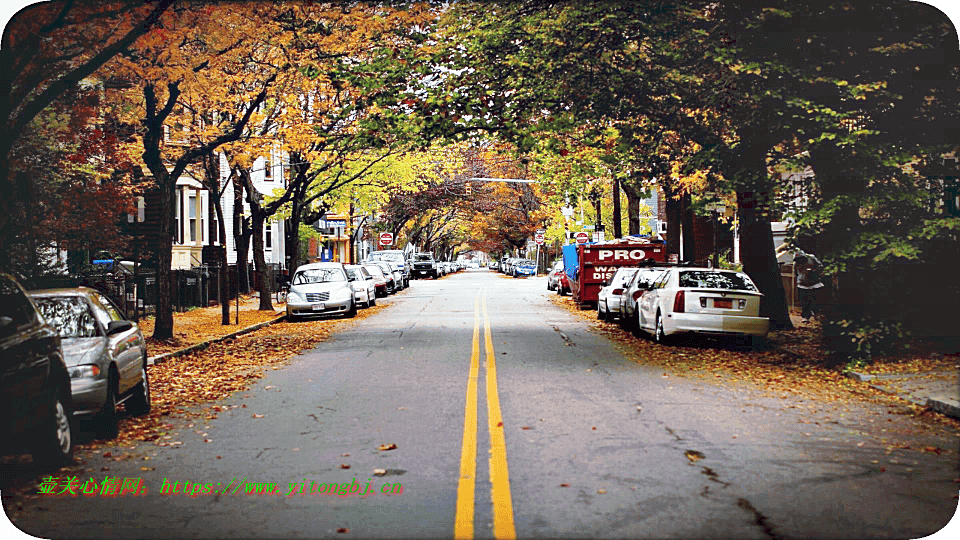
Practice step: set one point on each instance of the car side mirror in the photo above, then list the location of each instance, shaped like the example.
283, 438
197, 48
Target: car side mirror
118, 327
6, 326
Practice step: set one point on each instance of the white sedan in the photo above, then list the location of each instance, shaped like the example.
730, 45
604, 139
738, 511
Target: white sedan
608, 299
703, 301
364, 285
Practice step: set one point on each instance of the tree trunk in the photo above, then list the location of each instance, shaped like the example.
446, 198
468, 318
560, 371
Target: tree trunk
633, 208
163, 327
260, 262
617, 226
759, 258
687, 219
673, 211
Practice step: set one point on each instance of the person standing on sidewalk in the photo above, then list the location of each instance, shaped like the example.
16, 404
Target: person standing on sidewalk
809, 284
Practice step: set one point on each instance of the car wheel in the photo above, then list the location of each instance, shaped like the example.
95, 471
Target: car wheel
373, 301
660, 335
53, 445
352, 312
600, 315
107, 421
139, 402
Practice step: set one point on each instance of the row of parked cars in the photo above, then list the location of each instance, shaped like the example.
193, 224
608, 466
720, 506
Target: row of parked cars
67, 354
669, 301
331, 288
517, 267
665, 301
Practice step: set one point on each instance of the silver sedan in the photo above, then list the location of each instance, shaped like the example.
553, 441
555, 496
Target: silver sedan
320, 289
105, 354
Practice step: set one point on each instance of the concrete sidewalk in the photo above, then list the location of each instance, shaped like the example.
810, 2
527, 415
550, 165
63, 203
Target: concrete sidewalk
938, 390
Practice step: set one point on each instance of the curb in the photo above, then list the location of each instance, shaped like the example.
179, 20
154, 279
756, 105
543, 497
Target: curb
161, 358
945, 406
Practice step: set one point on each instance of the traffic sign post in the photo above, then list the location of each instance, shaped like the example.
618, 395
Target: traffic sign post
386, 239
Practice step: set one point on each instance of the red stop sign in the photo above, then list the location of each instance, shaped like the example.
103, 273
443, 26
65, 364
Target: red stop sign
582, 237
386, 239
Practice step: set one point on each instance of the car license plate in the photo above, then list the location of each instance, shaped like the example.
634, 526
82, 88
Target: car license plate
722, 303
317, 307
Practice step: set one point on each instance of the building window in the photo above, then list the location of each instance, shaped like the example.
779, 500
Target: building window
268, 236
267, 170
179, 220
192, 208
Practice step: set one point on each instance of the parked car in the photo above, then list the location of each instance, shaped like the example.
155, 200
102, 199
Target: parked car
105, 354
364, 286
705, 301
320, 289
608, 299
633, 289
36, 408
424, 265
553, 276
563, 283
379, 279
524, 267
396, 259
393, 278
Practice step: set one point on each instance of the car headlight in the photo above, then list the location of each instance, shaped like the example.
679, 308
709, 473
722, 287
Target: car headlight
86, 370
294, 297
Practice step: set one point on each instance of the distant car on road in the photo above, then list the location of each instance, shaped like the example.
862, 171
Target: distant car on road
36, 411
105, 354
703, 300
320, 289
524, 267
424, 266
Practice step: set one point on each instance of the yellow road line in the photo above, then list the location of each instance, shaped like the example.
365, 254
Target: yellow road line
503, 527
466, 488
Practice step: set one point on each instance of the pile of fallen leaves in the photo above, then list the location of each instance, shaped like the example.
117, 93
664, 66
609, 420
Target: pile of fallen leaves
203, 324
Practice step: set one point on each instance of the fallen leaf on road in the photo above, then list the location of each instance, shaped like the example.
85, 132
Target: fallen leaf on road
379, 472
564, 485
257, 416
344, 466
390, 446
693, 456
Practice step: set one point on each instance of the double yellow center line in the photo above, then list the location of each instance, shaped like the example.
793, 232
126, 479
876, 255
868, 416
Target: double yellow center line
503, 527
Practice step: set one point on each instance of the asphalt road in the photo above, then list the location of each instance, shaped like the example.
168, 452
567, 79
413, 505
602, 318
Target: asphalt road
508, 416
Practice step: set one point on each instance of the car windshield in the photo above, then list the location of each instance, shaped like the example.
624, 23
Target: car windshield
318, 275
703, 279
70, 315
354, 274
374, 271
424, 257
393, 257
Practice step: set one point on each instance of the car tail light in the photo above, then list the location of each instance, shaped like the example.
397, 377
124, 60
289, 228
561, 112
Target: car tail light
617, 291
636, 295
678, 302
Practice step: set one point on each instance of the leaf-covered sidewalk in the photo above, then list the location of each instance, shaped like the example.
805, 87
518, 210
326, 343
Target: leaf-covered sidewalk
791, 366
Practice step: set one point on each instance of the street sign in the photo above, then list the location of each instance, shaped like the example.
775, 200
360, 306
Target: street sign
582, 237
386, 239
538, 238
